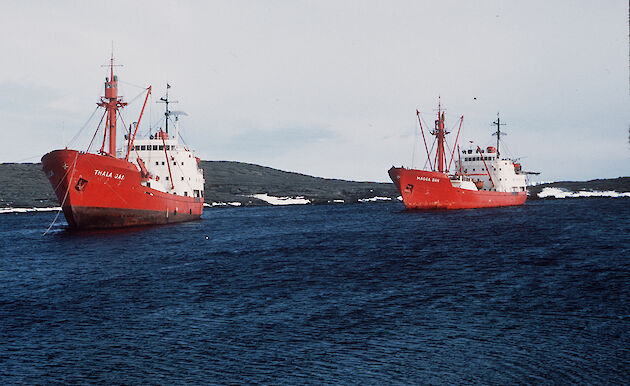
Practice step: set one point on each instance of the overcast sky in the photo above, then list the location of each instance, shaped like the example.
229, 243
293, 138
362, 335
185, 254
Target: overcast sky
329, 88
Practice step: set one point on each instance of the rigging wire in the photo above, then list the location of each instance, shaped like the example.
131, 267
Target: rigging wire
65, 195
83, 127
413, 153
430, 151
28, 158
449, 150
96, 132
131, 84
182, 138
138, 96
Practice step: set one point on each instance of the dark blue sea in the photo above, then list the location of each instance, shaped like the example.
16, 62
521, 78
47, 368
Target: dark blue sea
342, 294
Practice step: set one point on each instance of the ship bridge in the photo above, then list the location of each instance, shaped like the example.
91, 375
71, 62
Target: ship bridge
486, 166
170, 166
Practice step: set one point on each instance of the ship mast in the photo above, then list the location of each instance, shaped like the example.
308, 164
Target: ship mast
498, 133
167, 113
111, 103
440, 133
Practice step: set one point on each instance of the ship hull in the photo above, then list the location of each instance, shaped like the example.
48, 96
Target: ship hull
422, 189
98, 191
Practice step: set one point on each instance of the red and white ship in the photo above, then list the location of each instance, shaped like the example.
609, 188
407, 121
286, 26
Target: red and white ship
154, 180
480, 178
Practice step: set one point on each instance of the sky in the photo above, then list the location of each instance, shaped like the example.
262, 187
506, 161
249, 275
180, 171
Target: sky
328, 88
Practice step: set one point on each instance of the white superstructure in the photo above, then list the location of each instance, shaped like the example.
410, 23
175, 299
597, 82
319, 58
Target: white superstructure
164, 163
185, 177
487, 167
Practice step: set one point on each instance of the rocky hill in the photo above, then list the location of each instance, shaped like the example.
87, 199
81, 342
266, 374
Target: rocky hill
24, 185
621, 184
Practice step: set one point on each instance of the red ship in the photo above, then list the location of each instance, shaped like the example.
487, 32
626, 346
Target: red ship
480, 178
147, 181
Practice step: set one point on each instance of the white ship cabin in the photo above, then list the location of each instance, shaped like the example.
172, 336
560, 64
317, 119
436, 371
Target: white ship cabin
484, 169
155, 155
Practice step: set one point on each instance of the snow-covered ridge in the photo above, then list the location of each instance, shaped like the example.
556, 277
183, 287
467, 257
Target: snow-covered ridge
26, 210
563, 193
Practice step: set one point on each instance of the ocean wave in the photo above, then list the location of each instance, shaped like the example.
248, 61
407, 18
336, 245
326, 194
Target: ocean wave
272, 200
26, 210
563, 193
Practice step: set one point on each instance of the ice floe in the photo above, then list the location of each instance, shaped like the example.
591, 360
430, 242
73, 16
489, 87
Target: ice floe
221, 204
299, 200
26, 210
375, 198
563, 193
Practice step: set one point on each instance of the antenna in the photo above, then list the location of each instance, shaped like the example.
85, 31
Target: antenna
111, 61
498, 133
166, 101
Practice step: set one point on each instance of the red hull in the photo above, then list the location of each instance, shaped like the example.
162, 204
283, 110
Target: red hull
98, 191
422, 189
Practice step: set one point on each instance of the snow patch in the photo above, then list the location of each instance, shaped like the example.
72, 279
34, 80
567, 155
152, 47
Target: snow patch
299, 200
563, 193
25, 210
375, 198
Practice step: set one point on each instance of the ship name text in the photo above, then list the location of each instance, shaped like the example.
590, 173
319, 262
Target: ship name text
108, 174
427, 179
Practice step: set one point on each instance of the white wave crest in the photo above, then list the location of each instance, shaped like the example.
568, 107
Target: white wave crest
563, 193
299, 200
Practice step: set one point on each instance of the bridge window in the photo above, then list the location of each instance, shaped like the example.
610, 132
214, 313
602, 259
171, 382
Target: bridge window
154, 147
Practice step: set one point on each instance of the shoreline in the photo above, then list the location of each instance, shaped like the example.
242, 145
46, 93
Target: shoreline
24, 187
